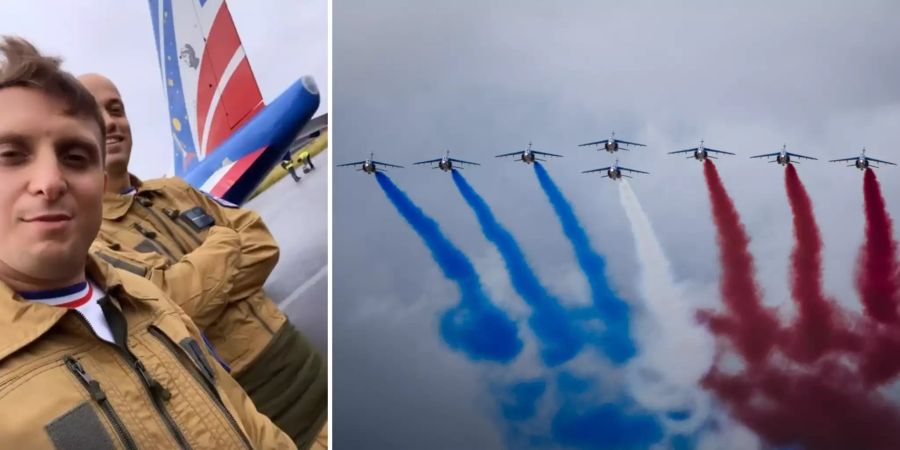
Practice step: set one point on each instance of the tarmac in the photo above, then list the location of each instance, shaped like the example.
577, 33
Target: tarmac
296, 213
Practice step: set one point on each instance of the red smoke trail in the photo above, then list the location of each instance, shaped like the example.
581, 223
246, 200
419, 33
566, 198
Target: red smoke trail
755, 330
877, 273
879, 287
823, 392
816, 329
826, 407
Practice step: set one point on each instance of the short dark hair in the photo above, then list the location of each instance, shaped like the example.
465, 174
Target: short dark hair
25, 66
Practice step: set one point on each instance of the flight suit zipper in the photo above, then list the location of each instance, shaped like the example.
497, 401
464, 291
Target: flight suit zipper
98, 395
146, 204
204, 380
157, 392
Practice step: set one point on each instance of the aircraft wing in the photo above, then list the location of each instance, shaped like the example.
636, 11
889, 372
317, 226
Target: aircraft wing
463, 162
387, 164
602, 169
629, 143
545, 153
690, 150
593, 143
801, 156
511, 154
430, 161
846, 159
717, 151
880, 161
633, 170
350, 164
767, 155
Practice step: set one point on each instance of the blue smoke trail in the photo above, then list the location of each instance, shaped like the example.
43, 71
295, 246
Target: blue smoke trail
475, 326
518, 401
605, 426
616, 341
583, 423
580, 420
559, 340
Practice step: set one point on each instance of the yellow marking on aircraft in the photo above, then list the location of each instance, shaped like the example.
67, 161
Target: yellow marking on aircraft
316, 146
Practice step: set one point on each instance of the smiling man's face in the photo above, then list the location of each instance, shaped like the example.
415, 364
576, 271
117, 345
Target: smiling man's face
51, 185
118, 130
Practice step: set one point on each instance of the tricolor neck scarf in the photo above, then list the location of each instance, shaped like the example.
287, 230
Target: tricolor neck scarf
82, 297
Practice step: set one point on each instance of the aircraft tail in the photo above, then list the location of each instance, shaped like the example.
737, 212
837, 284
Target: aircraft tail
209, 84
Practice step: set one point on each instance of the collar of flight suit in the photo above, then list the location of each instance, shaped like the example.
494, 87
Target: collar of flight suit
22, 322
116, 205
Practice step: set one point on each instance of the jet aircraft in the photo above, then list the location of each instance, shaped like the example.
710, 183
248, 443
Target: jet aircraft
369, 165
615, 171
226, 138
447, 163
784, 157
528, 155
701, 153
862, 161
611, 144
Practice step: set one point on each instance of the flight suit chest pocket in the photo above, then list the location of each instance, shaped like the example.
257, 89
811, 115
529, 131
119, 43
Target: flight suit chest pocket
198, 219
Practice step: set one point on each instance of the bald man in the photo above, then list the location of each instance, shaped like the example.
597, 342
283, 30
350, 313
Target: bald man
273, 362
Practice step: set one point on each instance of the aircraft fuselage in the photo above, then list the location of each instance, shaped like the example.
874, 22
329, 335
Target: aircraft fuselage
527, 157
700, 154
613, 173
446, 165
611, 146
862, 163
783, 159
369, 167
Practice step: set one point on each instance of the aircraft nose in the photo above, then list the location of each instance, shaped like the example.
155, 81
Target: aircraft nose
309, 83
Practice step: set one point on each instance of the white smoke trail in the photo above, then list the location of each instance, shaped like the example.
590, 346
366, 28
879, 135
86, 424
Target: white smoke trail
675, 350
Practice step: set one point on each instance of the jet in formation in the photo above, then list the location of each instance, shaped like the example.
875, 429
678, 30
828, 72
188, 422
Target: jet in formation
370, 165
611, 144
862, 162
784, 157
528, 155
701, 153
447, 163
615, 171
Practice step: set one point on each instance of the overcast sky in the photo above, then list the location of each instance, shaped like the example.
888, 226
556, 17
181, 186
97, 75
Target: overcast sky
283, 39
414, 78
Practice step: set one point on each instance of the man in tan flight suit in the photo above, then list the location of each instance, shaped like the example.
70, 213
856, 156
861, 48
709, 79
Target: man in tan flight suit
272, 361
90, 356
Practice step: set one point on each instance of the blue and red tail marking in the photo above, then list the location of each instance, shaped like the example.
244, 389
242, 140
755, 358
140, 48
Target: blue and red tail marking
226, 139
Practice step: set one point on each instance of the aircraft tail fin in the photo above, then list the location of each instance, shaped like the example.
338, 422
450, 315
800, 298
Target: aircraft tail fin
210, 87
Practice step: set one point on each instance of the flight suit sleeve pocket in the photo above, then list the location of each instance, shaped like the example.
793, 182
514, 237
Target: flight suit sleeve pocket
198, 219
79, 429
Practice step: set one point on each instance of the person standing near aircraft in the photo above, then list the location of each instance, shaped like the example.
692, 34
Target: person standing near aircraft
306, 160
288, 164
271, 360
90, 356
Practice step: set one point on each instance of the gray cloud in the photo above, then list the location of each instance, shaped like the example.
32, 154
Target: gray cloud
414, 78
